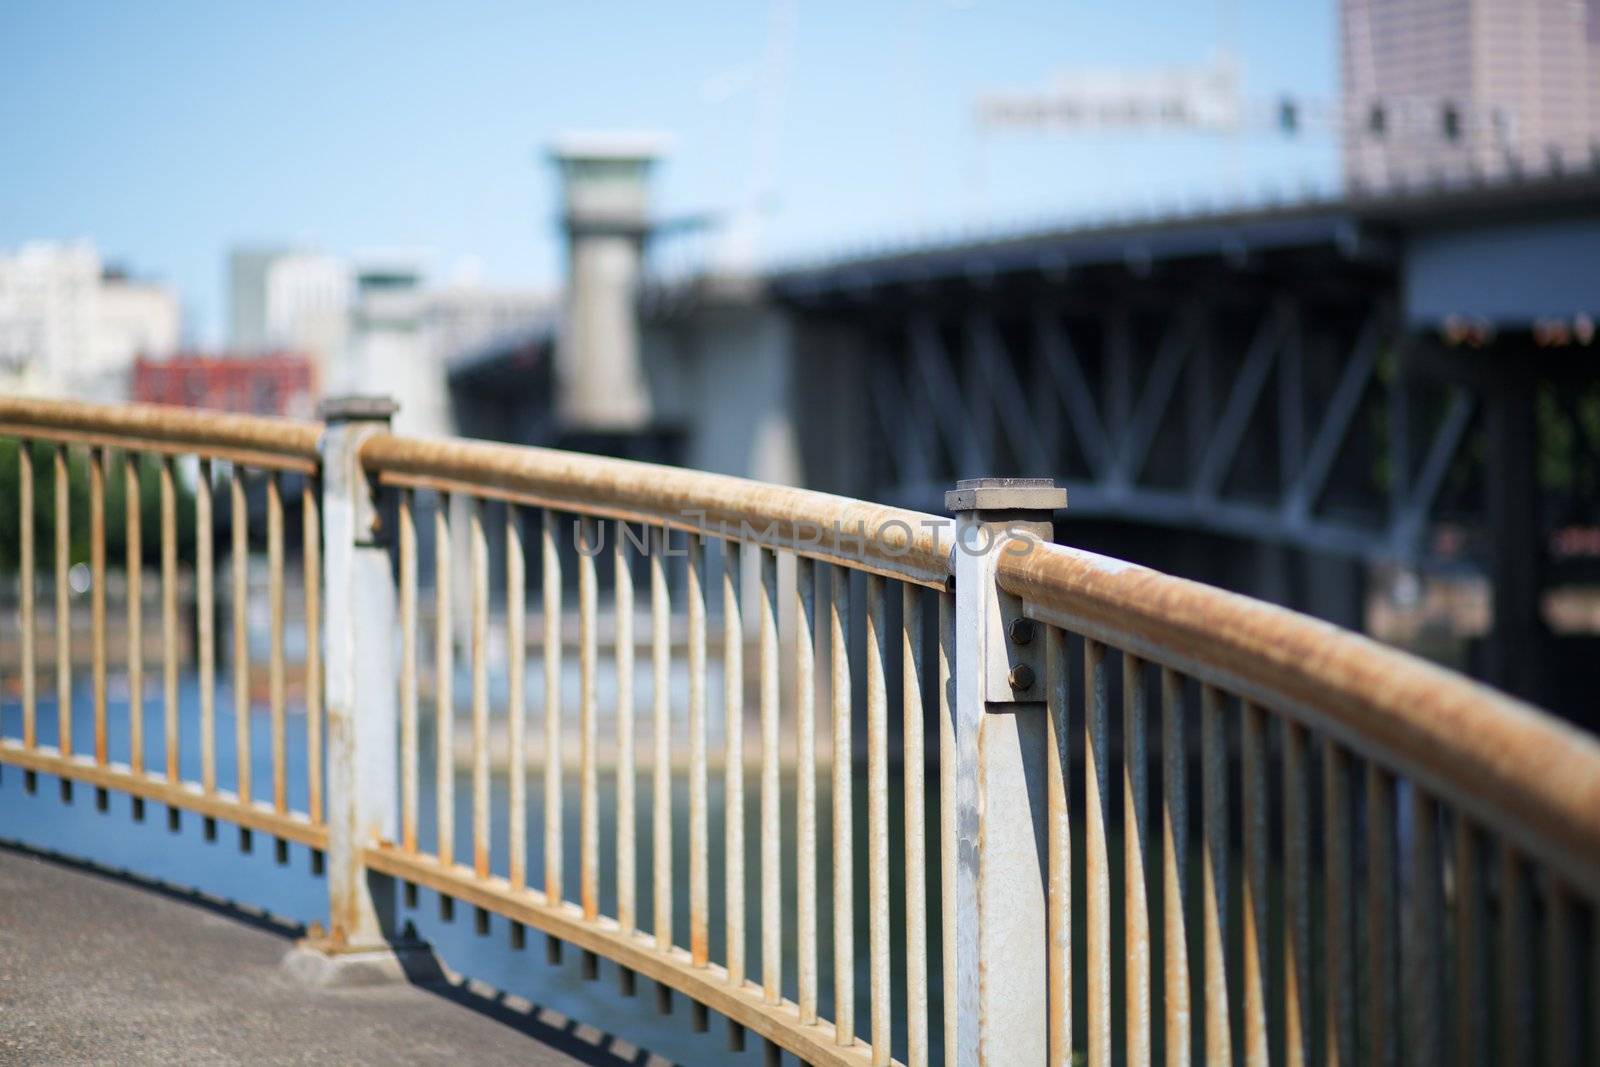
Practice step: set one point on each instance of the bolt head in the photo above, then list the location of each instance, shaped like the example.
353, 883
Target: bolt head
1021, 677
1021, 631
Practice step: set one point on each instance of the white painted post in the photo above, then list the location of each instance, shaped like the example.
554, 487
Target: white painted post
361, 701
1001, 935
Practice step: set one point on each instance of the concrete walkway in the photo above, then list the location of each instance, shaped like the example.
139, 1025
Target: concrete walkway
95, 968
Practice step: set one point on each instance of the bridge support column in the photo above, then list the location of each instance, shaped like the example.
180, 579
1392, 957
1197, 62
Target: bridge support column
1002, 936
1518, 638
361, 945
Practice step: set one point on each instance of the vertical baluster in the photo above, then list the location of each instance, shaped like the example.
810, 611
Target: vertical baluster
311, 561
516, 702
1214, 874
478, 553
661, 723
1472, 950
588, 785
132, 536
97, 599
205, 624
914, 762
699, 873
1296, 896
239, 519
443, 684
805, 801
844, 964
947, 815
169, 615
25, 581
1594, 983
626, 848
1516, 958
1338, 863
1382, 955
63, 524
275, 671
877, 821
550, 558
1563, 1043
1058, 835
771, 785
408, 671
733, 762
1136, 843
1253, 763
1097, 862
1424, 941
1174, 869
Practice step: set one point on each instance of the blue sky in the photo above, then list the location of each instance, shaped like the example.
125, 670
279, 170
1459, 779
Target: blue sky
168, 131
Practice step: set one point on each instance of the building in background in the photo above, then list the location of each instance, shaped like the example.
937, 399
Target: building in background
368, 324
71, 326
385, 352
284, 299
247, 296
277, 384
1455, 87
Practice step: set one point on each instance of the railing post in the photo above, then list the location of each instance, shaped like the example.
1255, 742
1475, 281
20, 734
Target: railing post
362, 710
1001, 957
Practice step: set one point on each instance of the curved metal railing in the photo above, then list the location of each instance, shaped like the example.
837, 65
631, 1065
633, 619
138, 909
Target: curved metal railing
668, 523
190, 454
1438, 911
1272, 906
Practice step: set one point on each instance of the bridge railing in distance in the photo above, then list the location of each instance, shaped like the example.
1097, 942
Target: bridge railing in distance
664, 526
190, 455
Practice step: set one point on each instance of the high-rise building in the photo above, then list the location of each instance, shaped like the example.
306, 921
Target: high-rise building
289, 300
69, 326
247, 297
1454, 87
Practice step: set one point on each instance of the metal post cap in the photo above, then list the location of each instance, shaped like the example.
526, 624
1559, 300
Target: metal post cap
1005, 494
357, 408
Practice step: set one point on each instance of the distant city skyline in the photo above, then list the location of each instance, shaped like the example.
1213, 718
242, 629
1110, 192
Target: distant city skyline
170, 134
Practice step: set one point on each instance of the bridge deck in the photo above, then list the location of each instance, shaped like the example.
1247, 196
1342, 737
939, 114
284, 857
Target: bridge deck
96, 969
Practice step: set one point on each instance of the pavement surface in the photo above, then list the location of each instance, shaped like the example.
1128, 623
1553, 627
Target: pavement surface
99, 968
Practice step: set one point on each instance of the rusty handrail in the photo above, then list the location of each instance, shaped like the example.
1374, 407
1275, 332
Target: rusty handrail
256, 440
1532, 777
265, 448
891, 542
1440, 751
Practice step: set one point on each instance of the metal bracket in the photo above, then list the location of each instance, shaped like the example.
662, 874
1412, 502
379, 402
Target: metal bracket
1016, 666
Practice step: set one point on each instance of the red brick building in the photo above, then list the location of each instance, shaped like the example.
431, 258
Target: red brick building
281, 383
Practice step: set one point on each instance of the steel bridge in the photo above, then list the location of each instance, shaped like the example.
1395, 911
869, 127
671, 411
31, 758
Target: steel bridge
1305, 391
1131, 817
1402, 376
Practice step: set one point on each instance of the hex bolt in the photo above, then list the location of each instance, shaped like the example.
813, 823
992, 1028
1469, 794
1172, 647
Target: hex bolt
1021, 677
1022, 631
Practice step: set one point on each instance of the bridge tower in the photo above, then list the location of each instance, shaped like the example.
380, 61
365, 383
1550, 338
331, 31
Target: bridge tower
600, 383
